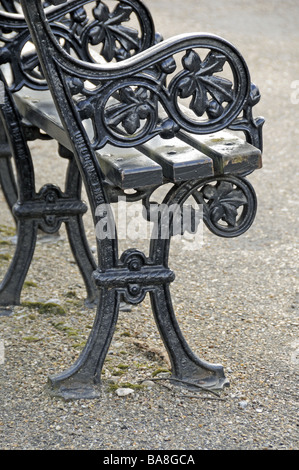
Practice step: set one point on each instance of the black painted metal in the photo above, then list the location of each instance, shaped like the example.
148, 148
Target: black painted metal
7, 178
123, 102
46, 210
21, 65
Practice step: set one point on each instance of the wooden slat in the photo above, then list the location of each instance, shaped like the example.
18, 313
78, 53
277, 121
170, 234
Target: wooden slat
38, 108
179, 159
230, 153
124, 168
128, 168
180, 162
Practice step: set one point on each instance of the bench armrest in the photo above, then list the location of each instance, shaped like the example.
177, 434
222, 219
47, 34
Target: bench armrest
122, 100
78, 25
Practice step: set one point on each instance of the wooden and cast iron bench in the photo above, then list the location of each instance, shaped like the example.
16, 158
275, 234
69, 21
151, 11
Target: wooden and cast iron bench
131, 113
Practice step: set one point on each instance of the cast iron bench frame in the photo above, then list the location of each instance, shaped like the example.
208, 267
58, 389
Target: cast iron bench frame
206, 156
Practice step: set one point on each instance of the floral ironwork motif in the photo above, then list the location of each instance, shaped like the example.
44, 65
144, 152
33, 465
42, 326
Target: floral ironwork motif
131, 109
223, 202
128, 109
200, 82
109, 31
229, 205
103, 34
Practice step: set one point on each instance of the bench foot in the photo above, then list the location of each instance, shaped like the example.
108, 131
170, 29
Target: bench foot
75, 391
83, 379
188, 370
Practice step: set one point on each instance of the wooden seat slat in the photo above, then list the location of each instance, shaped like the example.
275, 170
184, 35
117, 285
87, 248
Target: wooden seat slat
230, 153
178, 159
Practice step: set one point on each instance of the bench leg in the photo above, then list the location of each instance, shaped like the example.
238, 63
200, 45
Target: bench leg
11, 286
83, 379
45, 210
7, 177
77, 236
27, 229
186, 366
187, 369
131, 277
7, 181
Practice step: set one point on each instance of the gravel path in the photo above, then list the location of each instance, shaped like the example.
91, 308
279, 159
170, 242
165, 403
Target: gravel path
241, 309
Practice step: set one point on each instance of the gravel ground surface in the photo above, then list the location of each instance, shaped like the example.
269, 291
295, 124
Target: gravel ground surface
240, 308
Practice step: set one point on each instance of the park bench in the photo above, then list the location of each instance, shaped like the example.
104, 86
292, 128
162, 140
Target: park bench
132, 113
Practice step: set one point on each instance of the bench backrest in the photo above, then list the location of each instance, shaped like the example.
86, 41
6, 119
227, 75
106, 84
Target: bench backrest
144, 82
87, 29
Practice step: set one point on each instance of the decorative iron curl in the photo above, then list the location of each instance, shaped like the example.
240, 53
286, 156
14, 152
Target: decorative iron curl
126, 109
105, 30
229, 204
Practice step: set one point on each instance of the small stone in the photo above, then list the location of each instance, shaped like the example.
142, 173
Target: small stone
148, 383
123, 392
53, 301
243, 404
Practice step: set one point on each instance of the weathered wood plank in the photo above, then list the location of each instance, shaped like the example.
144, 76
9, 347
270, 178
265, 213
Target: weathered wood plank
128, 168
230, 153
124, 168
182, 158
180, 162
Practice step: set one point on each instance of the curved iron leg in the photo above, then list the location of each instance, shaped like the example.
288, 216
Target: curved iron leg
11, 286
83, 379
7, 177
186, 366
7, 181
83, 257
76, 232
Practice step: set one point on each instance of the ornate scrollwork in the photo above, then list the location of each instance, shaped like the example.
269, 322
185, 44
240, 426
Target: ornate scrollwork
100, 36
199, 81
229, 205
215, 88
108, 30
134, 277
213, 82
